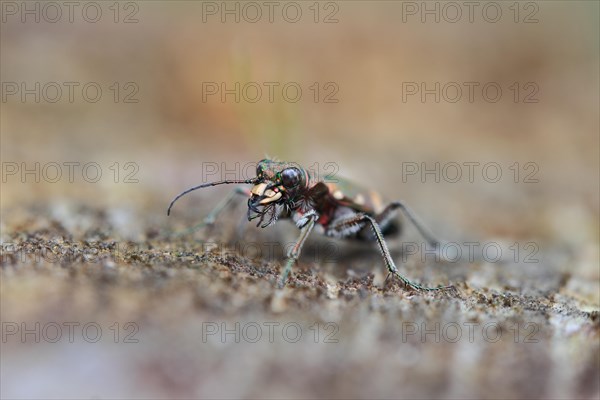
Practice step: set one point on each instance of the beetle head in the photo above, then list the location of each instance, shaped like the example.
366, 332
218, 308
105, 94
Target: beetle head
278, 186
277, 189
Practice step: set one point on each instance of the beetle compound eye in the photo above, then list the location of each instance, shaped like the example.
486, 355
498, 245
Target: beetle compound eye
260, 168
290, 177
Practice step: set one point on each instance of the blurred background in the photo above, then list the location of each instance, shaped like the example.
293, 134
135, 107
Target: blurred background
369, 55
154, 106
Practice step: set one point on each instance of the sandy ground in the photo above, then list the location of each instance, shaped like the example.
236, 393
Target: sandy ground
197, 319
103, 296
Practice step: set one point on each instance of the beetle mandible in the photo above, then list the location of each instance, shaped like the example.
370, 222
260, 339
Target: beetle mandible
286, 190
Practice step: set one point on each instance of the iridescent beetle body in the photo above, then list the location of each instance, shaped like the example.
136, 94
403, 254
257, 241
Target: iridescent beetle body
333, 206
345, 197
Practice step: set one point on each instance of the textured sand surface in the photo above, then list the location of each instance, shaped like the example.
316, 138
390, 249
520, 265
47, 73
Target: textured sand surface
504, 333
104, 296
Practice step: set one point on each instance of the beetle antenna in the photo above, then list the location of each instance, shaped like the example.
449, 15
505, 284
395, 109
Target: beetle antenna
205, 185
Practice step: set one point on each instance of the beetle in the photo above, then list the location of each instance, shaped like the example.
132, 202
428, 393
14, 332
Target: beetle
335, 207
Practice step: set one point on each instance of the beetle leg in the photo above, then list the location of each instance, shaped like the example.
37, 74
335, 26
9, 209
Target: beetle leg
306, 224
210, 219
387, 213
227, 200
361, 219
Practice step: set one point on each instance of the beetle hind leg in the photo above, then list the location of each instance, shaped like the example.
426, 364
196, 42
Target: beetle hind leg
388, 223
362, 220
386, 220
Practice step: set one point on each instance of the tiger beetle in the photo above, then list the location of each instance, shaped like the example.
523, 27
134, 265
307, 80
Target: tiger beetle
341, 210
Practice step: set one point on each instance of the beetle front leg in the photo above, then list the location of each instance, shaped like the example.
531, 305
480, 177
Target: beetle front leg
210, 219
307, 223
212, 216
359, 220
